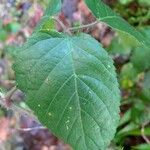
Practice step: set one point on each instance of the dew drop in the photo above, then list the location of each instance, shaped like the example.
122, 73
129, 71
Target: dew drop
47, 81
49, 114
39, 105
109, 66
67, 121
67, 127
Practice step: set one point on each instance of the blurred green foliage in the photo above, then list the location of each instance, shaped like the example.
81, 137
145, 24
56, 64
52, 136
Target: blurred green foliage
134, 78
136, 12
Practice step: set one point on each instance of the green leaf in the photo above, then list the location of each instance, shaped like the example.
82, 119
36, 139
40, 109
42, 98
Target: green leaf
128, 76
145, 95
47, 21
141, 59
140, 113
106, 15
70, 84
13, 27
3, 34
127, 129
125, 2
121, 134
144, 2
126, 118
141, 55
142, 147
137, 132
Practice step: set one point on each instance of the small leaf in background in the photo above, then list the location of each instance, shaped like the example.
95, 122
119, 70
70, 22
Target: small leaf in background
140, 113
53, 8
141, 59
128, 76
123, 132
3, 35
137, 132
71, 85
146, 87
141, 56
126, 117
144, 2
117, 47
49, 24
13, 27
122, 44
125, 2
142, 147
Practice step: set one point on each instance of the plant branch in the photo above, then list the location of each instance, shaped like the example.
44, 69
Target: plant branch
4, 102
10, 93
31, 129
83, 26
22, 111
18, 111
62, 25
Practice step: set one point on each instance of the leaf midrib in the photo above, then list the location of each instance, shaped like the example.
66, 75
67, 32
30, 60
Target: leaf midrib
70, 45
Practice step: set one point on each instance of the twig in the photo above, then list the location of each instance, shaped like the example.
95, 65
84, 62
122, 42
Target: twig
10, 93
62, 25
83, 26
5, 100
18, 109
21, 111
143, 133
31, 129
7, 83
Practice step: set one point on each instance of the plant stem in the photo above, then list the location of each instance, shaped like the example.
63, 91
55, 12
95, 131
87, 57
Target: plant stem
62, 25
21, 111
33, 128
83, 26
10, 93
